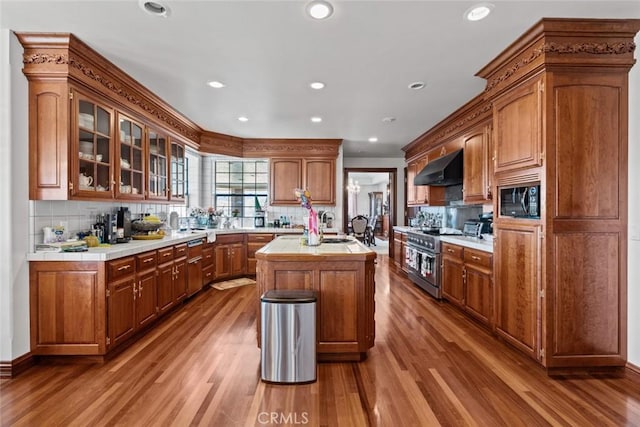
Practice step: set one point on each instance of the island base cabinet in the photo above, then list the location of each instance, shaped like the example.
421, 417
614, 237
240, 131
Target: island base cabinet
67, 308
345, 308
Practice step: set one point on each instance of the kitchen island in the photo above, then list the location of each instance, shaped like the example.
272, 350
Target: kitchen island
343, 276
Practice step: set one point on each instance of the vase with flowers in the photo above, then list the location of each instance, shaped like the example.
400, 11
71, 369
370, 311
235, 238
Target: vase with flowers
313, 237
214, 216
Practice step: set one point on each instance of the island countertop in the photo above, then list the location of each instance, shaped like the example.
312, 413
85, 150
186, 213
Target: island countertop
291, 248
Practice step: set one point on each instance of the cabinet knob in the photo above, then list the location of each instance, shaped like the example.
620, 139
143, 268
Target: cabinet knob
477, 258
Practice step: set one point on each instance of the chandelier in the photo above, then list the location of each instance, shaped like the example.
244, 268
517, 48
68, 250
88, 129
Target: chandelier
353, 187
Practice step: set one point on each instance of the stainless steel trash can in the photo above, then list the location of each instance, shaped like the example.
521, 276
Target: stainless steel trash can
288, 336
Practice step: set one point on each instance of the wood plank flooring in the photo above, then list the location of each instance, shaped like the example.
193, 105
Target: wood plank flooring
430, 366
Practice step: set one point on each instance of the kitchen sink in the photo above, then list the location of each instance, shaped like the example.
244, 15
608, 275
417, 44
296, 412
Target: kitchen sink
335, 240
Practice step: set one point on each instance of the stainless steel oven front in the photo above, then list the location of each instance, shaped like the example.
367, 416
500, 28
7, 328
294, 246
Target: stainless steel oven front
423, 262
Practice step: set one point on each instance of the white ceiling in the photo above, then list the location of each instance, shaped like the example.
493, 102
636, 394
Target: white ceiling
267, 52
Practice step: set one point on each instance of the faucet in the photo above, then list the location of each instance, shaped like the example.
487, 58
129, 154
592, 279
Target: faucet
323, 218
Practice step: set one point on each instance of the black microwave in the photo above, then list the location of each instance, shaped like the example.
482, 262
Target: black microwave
520, 202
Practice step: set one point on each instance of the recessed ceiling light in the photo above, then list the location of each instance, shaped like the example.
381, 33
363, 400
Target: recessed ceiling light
373, 139
316, 85
478, 12
319, 9
155, 7
243, 119
389, 119
316, 119
216, 84
416, 85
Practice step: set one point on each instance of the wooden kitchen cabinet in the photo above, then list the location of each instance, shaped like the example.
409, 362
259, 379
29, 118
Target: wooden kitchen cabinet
230, 256
285, 177
146, 298
518, 288
319, 177
517, 118
208, 264
477, 165
467, 280
121, 291
178, 172
478, 269
254, 242
90, 159
165, 276
453, 274
194, 268
316, 175
180, 275
67, 308
157, 170
399, 249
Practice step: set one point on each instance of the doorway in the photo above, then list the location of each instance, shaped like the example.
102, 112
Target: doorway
369, 192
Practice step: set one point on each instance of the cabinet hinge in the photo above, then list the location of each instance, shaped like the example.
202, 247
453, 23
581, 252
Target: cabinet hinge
108, 293
108, 341
541, 293
541, 353
541, 86
70, 95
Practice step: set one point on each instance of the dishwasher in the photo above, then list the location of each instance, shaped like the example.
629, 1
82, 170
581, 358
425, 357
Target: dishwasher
194, 266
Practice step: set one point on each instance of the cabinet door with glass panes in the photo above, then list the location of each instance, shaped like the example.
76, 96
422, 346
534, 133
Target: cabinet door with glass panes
241, 189
158, 166
91, 158
178, 172
130, 159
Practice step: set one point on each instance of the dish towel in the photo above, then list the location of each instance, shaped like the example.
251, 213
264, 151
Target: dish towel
211, 236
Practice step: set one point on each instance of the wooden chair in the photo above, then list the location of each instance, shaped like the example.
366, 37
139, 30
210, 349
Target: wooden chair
370, 237
359, 226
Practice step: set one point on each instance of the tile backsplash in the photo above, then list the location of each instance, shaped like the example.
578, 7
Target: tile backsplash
80, 216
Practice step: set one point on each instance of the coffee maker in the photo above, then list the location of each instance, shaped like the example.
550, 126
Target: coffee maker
123, 225
258, 220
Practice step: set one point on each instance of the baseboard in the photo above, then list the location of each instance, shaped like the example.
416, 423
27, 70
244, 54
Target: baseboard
633, 368
17, 366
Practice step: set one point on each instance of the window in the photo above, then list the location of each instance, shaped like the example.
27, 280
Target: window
237, 186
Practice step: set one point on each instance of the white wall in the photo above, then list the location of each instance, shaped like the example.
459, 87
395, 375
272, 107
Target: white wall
374, 162
633, 271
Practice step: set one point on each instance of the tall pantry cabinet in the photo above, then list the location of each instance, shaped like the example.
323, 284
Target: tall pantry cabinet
559, 99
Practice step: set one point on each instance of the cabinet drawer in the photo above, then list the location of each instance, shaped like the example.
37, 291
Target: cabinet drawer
472, 256
146, 261
121, 267
452, 250
259, 237
165, 255
180, 251
207, 256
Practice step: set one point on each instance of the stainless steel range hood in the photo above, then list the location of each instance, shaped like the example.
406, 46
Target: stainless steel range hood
443, 171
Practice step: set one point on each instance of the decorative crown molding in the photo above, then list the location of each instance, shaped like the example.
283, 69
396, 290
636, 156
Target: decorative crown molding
45, 58
593, 48
134, 98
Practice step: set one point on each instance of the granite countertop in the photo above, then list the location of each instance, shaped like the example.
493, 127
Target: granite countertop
133, 247
469, 242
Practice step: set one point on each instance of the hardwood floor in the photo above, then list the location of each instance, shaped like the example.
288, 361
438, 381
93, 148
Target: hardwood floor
430, 366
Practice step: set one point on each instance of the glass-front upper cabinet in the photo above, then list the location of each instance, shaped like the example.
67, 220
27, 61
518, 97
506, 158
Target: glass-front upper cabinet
178, 171
92, 168
130, 149
158, 173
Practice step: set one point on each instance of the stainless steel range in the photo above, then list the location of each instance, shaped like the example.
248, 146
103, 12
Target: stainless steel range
423, 261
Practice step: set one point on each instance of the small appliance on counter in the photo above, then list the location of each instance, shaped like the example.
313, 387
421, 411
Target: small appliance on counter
259, 220
123, 224
486, 219
472, 228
